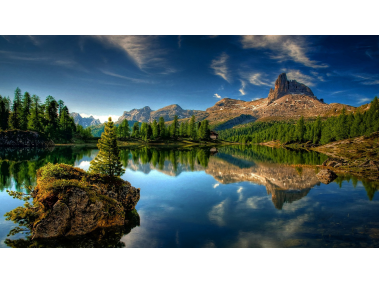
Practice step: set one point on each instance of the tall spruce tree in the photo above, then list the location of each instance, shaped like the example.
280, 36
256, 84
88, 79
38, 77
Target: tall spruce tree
155, 129
4, 113
192, 128
15, 116
25, 111
174, 127
34, 122
108, 159
162, 127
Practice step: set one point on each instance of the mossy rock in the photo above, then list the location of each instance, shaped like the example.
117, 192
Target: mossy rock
68, 201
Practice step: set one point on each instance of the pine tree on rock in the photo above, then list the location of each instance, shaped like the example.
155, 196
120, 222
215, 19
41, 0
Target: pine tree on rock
108, 161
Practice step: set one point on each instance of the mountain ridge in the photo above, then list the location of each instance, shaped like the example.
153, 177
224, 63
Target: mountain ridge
84, 121
289, 99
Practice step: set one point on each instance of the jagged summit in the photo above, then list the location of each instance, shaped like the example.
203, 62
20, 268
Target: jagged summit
284, 87
84, 121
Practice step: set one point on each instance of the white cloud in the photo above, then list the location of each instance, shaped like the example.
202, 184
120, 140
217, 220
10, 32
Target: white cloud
217, 213
256, 98
284, 48
216, 185
143, 50
300, 77
102, 118
256, 79
219, 67
217, 96
126, 78
363, 100
367, 79
242, 89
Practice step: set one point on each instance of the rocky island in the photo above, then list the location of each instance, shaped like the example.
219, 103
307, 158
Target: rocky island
68, 201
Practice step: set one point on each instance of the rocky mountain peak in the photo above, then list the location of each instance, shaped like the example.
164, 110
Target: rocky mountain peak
84, 121
283, 87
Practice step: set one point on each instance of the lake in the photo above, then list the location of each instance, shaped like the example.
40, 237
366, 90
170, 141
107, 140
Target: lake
235, 196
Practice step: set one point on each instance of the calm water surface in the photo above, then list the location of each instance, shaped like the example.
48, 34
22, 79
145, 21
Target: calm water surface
226, 197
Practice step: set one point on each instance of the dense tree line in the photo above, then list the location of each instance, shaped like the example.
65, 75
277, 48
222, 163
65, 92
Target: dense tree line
52, 118
317, 132
158, 130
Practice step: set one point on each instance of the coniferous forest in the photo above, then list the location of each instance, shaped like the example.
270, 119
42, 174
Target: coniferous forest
321, 131
26, 112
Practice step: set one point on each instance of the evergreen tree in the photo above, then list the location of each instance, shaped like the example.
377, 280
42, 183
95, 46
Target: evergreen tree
192, 128
51, 116
108, 159
300, 129
25, 111
181, 129
174, 127
135, 130
204, 131
155, 129
143, 131
162, 127
34, 122
317, 130
15, 116
123, 129
60, 107
149, 132
4, 113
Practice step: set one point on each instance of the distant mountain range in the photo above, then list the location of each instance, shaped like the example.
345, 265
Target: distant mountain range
288, 100
168, 113
84, 121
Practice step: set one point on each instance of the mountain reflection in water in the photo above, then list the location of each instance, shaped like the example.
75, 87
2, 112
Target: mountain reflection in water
208, 197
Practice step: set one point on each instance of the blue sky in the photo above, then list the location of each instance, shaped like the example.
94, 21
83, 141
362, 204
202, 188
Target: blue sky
106, 75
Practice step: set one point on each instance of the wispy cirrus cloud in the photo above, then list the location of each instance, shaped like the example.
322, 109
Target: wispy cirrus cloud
367, 79
257, 79
219, 66
135, 80
41, 59
283, 48
242, 89
217, 96
364, 100
300, 77
144, 51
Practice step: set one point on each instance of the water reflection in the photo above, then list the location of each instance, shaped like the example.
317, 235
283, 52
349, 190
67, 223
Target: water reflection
241, 196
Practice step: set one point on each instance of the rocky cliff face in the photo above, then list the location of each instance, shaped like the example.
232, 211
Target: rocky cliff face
284, 87
84, 122
140, 115
18, 138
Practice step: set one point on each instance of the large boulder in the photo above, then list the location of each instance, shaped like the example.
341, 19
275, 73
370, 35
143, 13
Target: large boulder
326, 176
68, 201
18, 138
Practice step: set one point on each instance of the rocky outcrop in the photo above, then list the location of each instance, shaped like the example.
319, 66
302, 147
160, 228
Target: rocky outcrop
326, 176
67, 201
84, 121
17, 138
284, 87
